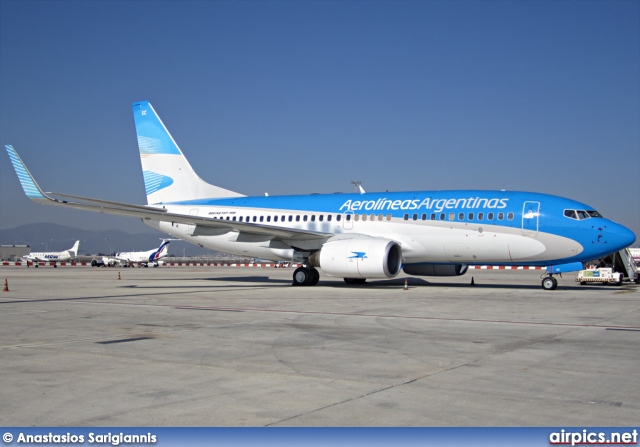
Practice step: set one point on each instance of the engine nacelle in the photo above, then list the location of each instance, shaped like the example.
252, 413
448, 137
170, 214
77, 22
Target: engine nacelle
363, 257
435, 269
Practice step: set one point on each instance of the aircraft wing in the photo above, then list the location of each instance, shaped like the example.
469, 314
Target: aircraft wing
204, 225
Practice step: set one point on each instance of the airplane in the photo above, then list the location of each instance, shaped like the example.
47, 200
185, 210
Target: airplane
354, 236
52, 256
145, 257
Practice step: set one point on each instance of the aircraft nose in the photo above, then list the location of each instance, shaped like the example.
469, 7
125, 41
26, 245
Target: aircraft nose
621, 236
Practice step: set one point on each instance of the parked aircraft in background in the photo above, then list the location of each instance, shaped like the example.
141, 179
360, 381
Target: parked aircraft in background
53, 256
354, 236
145, 257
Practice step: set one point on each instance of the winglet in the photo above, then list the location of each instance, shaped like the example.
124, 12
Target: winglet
31, 188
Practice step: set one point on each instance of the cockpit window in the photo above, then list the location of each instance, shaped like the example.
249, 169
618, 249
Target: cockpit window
581, 214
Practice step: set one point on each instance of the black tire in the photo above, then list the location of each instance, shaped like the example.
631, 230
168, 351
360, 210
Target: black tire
549, 283
315, 277
302, 277
355, 280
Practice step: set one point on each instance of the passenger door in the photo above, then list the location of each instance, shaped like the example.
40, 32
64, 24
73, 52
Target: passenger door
530, 215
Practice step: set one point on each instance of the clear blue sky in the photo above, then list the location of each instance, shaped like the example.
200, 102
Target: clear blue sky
297, 97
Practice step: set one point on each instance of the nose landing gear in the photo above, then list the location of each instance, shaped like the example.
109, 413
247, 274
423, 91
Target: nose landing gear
549, 283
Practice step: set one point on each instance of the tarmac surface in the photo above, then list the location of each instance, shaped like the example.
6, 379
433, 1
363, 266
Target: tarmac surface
199, 346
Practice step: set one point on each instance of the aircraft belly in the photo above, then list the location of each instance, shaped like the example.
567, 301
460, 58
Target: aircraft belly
472, 247
229, 243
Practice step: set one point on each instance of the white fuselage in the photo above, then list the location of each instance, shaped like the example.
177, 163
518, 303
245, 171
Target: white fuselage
421, 241
58, 256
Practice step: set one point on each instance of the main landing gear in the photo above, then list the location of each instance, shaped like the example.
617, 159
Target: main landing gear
549, 283
355, 280
306, 276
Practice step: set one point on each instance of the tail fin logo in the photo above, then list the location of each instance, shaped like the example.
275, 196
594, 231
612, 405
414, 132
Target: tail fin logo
154, 182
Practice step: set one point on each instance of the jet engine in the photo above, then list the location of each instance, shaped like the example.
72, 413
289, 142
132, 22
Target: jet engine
435, 269
362, 257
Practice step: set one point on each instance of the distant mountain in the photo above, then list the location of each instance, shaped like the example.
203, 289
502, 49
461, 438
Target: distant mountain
54, 237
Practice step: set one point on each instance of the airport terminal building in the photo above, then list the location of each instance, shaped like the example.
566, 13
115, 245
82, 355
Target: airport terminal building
13, 252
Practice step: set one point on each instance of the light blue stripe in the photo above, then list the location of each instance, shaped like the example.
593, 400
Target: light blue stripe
28, 184
154, 182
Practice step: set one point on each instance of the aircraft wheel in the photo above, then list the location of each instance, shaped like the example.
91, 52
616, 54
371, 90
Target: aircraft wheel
315, 277
549, 283
355, 280
302, 277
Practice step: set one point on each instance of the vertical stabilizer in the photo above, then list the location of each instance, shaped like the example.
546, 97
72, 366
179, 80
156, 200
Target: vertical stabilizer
168, 176
73, 251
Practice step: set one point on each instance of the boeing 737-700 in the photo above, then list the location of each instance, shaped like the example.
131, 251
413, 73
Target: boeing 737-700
53, 256
354, 236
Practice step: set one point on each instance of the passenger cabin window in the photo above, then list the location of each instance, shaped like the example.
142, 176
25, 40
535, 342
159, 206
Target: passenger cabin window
298, 218
510, 216
406, 217
329, 218
490, 216
480, 216
461, 216
388, 216
500, 216
470, 216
